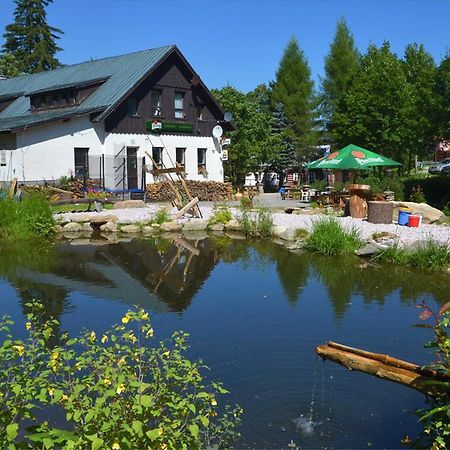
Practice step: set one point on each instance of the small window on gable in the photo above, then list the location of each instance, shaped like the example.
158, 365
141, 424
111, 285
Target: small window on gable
36, 102
200, 112
49, 100
156, 103
132, 106
179, 105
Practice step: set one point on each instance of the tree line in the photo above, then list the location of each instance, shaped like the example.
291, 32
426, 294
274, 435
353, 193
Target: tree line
397, 106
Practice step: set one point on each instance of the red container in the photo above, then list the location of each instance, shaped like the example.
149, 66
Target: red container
413, 221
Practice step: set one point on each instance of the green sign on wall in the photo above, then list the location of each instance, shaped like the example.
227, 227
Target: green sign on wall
158, 127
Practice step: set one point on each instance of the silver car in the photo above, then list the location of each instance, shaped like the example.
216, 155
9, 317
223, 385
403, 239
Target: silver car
442, 167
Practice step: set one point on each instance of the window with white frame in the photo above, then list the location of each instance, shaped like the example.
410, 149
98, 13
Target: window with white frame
201, 160
179, 105
156, 103
180, 156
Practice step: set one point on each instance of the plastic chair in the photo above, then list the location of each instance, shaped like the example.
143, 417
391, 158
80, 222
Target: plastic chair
305, 196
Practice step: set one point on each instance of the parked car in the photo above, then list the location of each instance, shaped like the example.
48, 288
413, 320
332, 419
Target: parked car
442, 167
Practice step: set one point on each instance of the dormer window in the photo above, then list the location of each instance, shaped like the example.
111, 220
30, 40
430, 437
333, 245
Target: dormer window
54, 99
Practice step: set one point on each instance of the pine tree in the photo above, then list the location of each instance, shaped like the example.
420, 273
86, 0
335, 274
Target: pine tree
294, 88
30, 39
340, 65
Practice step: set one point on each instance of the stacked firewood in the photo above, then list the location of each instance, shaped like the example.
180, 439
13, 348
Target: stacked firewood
77, 186
204, 190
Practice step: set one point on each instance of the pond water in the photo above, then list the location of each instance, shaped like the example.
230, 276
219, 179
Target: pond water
255, 313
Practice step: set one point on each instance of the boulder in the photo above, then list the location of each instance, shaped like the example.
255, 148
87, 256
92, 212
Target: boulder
233, 225
285, 233
195, 225
217, 227
100, 220
58, 228
80, 217
130, 229
109, 227
128, 204
428, 213
72, 227
171, 226
86, 226
149, 231
369, 249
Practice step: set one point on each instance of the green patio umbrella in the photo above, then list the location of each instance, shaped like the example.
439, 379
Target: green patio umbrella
351, 157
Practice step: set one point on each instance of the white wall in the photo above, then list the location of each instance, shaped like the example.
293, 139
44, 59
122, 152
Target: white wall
46, 152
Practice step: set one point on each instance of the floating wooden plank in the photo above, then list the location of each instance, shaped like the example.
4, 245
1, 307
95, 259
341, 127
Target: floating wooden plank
186, 208
156, 172
386, 367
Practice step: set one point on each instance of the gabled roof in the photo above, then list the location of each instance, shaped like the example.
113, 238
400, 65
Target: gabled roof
122, 73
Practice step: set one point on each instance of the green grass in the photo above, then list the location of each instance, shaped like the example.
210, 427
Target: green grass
429, 256
329, 238
256, 223
28, 218
161, 216
221, 214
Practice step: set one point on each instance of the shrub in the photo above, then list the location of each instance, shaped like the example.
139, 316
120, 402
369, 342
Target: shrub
256, 223
429, 256
329, 238
161, 216
380, 181
221, 214
417, 195
113, 391
27, 218
436, 189
437, 419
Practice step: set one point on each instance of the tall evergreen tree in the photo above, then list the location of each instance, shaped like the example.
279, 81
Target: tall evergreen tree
294, 88
340, 65
373, 111
30, 39
420, 70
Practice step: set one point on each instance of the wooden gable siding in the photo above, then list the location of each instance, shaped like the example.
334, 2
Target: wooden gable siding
171, 76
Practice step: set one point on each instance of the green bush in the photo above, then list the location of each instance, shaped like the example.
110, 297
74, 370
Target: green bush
112, 391
329, 238
436, 189
161, 216
221, 214
429, 256
27, 218
257, 222
379, 182
246, 202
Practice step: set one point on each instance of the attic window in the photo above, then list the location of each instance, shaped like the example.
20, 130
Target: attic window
132, 107
55, 99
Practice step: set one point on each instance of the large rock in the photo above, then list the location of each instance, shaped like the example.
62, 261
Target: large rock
58, 228
171, 226
428, 213
195, 225
80, 217
369, 249
109, 227
86, 226
128, 204
149, 231
100, 220
285, 233
233, 225
130, 229
72, 227
217, 227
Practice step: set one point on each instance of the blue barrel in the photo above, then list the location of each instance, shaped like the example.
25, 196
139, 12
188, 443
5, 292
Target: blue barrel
403, 216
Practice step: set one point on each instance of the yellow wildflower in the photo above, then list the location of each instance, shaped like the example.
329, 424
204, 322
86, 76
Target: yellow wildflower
121, 361
51, 391
107, 381
78, 366
93, 336
145, 316
64, 398
28, 325
55, 356
166, 354
120, 388
20, 349
125, 319
116, 446
104, 339
150, 332
213, 402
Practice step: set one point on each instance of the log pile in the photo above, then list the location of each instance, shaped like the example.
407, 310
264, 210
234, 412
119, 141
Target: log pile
204, 190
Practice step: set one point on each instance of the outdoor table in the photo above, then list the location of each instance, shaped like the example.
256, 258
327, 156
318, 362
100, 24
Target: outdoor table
357, 202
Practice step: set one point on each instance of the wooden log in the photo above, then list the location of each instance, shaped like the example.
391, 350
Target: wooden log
186, 208
385, 367
12, 188
380, 212
157, 172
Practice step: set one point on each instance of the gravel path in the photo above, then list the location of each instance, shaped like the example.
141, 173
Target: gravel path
406, 235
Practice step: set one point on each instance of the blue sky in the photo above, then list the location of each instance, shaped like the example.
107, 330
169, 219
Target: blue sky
239, 42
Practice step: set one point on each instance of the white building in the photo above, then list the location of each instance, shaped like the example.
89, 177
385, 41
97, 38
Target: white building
105, 119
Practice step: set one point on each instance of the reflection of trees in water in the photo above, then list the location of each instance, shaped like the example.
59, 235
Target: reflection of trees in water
345, 277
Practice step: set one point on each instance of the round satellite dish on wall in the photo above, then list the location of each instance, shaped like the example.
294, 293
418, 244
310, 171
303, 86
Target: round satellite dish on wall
217, 132
228, 117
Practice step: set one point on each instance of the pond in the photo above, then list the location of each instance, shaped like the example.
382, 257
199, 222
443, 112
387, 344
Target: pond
255, 312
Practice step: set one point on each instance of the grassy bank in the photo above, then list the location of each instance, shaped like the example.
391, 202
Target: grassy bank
28, 218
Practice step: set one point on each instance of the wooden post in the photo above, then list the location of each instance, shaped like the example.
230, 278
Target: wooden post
12, 188
186, 208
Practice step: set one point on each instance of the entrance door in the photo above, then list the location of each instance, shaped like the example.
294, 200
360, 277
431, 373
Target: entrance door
132, 172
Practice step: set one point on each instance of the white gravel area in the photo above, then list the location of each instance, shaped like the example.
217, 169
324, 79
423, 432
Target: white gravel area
406, 235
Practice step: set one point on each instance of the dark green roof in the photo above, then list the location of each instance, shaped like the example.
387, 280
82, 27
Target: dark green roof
122, 73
